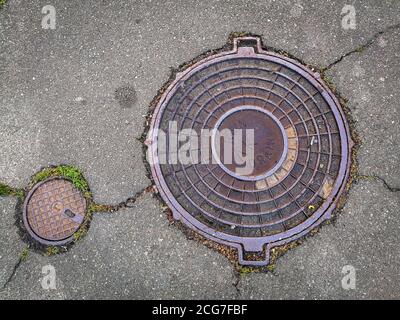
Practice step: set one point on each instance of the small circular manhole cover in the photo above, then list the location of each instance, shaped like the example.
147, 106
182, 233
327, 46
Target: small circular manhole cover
301, 149
53, 211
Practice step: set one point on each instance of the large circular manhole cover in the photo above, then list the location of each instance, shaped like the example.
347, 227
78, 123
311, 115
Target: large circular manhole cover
301, 147
53, 211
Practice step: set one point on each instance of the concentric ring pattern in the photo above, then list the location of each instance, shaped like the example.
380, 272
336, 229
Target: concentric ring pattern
280, 205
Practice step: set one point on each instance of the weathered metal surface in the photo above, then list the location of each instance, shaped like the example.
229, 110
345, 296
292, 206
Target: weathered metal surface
53, 211
302, 150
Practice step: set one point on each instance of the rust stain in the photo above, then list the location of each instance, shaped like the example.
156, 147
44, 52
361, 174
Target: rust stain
327, 187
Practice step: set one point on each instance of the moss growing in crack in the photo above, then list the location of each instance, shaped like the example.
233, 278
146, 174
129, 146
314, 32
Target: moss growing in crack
84, 228
19, 193
244, 270
24, 254
277, 252
5, 190
81, 233
271, 267
51, 251
99, 208
92, 208
328, 81
360, 49
70, 172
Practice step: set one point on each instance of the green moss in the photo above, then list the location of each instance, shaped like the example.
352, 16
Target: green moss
2, 3
80, 234
24, 254
51, 251
8, 191
83, 230
271, 267
5, 190
70, 172
244, 270
95, 207
360, 49
329, 81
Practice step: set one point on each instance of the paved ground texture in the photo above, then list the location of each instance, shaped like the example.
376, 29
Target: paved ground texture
78, 95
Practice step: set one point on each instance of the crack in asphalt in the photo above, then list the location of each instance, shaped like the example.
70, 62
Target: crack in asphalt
237, 277
11, 277
131, 201
361, 48
377, 178
128, 203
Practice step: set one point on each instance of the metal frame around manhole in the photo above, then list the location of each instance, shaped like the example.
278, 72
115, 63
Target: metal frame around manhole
259, 244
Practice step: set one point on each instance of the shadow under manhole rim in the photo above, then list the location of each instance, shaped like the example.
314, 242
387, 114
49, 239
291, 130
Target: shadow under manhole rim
312, 162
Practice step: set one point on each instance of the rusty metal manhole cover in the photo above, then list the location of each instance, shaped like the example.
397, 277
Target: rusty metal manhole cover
301, 151
53, 211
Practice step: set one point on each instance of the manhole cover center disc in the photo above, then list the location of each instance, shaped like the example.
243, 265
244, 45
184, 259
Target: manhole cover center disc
53, 211
268, 145
300, 150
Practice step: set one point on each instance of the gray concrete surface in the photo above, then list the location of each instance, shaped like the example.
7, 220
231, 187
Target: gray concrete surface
370, 80
133, 254
365, 236
78, 94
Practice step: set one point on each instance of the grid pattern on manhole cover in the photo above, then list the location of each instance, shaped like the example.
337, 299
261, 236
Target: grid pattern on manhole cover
54, 210
301, 159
